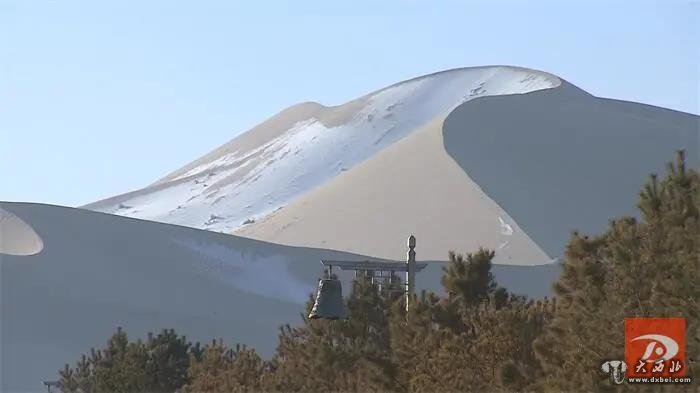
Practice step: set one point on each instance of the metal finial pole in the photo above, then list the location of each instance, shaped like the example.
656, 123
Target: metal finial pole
411, 269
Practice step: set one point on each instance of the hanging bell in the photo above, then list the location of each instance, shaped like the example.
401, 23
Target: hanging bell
329, 300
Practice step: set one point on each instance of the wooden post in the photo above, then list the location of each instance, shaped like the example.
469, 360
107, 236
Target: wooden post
411, 269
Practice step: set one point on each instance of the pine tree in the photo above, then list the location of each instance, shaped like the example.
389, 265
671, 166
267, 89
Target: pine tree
469, 280
634, 269
159, 365
341, 355
168, 359
478, 338
578, 337
501, 334
415, 339
220, 369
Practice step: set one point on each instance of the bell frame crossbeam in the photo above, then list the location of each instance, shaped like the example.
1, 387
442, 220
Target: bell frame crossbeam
410, 267
375, 266
371, 265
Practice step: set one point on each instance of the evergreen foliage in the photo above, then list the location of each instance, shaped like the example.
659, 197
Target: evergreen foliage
634, 269
479, 337
342, 355
221, 370
469, 280
157, 365
490, 351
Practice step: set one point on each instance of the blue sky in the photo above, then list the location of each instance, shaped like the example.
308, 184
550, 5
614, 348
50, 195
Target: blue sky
103, 97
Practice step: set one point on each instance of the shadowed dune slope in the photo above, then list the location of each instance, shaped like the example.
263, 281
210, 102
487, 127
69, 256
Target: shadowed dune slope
99, 271
559, 161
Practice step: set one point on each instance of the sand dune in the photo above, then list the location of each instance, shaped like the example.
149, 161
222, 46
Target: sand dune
98, 271
306, 146
502, 157
411, 186
559, 160
514, 173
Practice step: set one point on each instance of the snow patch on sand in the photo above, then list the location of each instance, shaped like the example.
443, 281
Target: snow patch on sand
506, 229
266, 276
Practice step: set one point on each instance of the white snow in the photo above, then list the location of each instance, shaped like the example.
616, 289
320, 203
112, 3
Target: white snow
266, 276
227, 191
506, 229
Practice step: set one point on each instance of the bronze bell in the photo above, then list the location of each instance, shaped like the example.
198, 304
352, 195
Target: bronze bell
329, 300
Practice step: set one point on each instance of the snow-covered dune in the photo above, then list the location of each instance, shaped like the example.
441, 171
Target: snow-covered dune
503, 157
307, 145
99, 271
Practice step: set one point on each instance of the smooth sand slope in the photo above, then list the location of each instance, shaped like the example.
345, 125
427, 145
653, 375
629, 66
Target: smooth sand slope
98, 271
410, 186
18, 237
